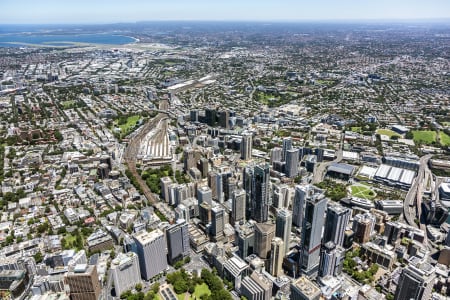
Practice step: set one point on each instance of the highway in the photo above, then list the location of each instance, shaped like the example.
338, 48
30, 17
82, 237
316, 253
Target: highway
413, 199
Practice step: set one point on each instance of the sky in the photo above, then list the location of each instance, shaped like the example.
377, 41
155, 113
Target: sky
111, 11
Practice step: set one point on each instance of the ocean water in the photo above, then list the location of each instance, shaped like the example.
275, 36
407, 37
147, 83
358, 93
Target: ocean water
22, 39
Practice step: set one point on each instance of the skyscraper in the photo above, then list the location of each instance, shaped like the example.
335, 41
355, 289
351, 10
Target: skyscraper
283, 227
287, 145
291, 163
83, 283
275, 155
415, 282
335, 224
245, 238
277, 253
204, 194
217, 222
257, 188
264, 233
331, 260
125, 272
299, 204
246, 147
151, 249
238, 209
313, 221
177, 241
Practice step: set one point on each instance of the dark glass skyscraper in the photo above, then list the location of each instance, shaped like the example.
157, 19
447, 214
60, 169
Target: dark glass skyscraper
257, 184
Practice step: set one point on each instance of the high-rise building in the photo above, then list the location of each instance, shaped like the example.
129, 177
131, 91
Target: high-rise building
190, 158
203, 166
264, 233
335, 224
165, 182
302, 192
256, 287
246, 147
211, 116
83, 283
216, 185
415, 282
217, 221
283, 227
276, 155
291, 163
125, 272
245, 238
257, 188
177, 236
287, 145
204, 194
277, 253
331, 260
281, 196
313, 221
363, 225
304, 289
224, 119
238, 208
151, 250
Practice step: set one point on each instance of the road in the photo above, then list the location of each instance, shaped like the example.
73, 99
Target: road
413, 200
319, 172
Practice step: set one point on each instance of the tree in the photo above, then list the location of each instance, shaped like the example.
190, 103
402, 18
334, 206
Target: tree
138, 287
38, 257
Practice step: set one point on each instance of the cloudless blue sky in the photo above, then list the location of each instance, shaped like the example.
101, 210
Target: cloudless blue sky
106, 11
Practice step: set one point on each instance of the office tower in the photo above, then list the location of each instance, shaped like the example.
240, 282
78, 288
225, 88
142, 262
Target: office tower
319, 154
190, 158
276, 155
287, 145
277, 253
336, 223
301, 192
203, 166
291, 163
245, 238
177, 236
257, 188
331, 260
226, 179
310, 163
216, 185
224, 119
256, 287
204, 194
211, 116
264, 233
230, 186
246, 147
238, 209
151, 250
165, 183
83, 283
363, 225
194, 115
313, 221
304, 289
415, 282
283, 227
217, 221
125, 272
281, 196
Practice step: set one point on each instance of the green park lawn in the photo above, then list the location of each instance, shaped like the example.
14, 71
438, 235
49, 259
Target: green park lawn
128, 126
387, 132
424, 136
362, 191
200, 289
445, 138
356, 129
67, 104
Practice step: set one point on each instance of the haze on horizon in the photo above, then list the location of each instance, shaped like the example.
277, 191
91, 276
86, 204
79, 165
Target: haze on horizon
111, 11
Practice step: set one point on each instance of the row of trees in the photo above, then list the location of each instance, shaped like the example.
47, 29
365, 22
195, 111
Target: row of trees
335, 191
